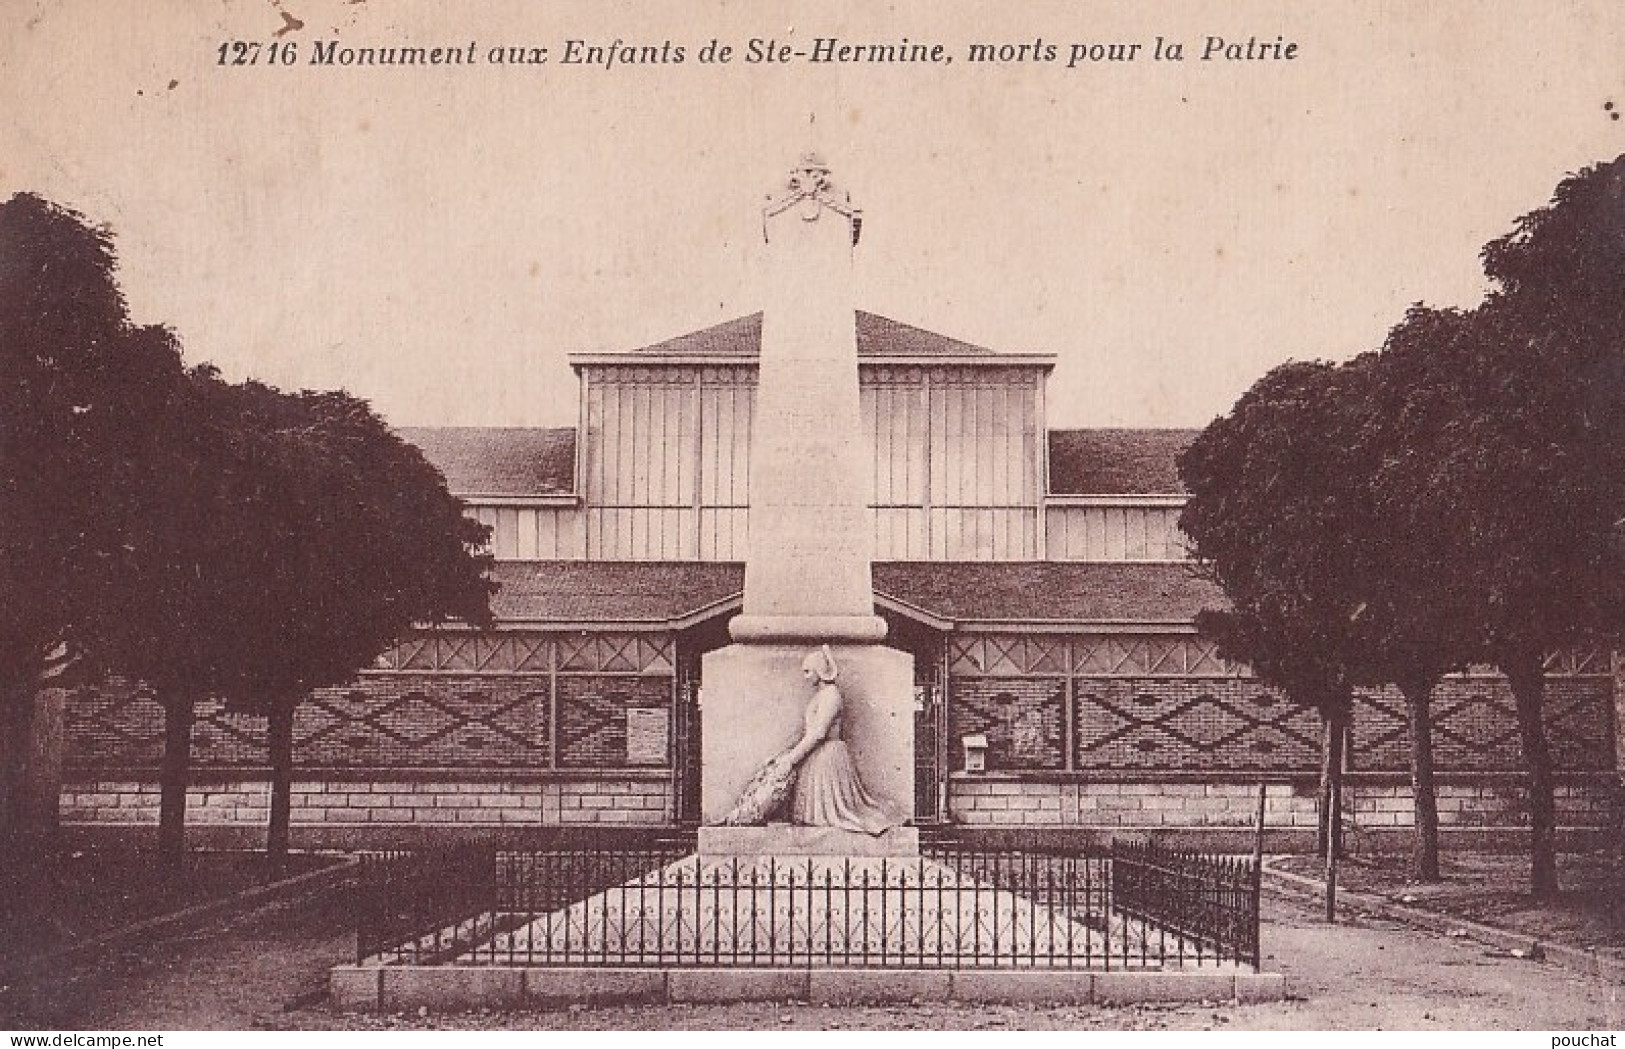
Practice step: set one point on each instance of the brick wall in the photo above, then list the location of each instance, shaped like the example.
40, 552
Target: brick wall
1023, 719
976, 802
384, 802
982, 802
593, 712
1236, 725
1475, 726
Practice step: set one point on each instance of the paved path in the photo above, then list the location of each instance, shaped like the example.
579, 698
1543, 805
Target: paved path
269, 971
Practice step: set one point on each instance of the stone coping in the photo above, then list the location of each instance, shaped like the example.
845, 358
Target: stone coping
783, 839
807, 629
358, 988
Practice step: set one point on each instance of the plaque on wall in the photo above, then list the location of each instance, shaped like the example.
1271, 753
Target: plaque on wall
648, 731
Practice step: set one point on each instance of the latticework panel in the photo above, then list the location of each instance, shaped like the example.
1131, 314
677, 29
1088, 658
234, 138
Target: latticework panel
471, 654
999, 655
1152, 655
1089, 655
616, 654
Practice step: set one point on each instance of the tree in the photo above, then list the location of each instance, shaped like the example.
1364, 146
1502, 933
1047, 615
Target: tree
358, 540
214, 486
1272, 488
208, 537
1422, 619
1503, 479
1536, 476
79, 388
1300, 510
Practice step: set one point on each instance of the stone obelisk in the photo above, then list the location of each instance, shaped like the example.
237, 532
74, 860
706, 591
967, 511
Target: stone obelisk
808, 577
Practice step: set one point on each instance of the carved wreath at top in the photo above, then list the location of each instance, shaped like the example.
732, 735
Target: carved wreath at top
809, 185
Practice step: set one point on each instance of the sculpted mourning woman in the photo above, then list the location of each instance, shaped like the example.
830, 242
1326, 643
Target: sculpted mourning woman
816, 775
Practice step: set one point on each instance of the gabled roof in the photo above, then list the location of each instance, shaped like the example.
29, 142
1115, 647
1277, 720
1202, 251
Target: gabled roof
1116, 462
877, 336
663, 592
500, 460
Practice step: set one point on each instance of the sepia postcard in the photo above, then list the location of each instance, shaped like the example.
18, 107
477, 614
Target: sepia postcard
566, 249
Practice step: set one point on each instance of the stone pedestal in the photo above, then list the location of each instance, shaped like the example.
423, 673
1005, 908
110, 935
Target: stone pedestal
753, 701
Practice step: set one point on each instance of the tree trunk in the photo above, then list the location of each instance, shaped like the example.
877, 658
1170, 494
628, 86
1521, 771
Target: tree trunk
1340, 746
1527, 675
280, 740
1425, 849
1323, 806
179, 713
1336, 849
26, 858
1334, 744
1337, 724
16, 717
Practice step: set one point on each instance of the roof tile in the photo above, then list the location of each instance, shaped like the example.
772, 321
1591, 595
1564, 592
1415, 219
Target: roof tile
499, 460
1116, 462
877, 336
1042, 592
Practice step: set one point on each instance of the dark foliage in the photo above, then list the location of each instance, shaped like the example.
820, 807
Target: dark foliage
79, 388
208, 538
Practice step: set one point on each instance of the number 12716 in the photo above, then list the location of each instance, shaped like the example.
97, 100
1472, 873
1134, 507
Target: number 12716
251, 53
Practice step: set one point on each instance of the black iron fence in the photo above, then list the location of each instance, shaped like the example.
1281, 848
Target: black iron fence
428, 904
955, 906
1209, 903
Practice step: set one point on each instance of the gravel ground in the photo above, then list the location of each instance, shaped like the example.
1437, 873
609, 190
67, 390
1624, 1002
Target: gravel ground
1588, 913
87, 892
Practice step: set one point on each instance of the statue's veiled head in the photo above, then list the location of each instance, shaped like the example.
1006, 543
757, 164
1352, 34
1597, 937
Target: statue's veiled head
820, 665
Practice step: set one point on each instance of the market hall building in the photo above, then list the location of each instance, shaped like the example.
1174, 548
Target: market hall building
1037, 577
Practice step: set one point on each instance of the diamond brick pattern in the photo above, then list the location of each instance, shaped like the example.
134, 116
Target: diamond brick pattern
116, 722
1475, 726
592, 716
396, 721
443, 721
1194, 725
1141, 703
1145, 703
446, 700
